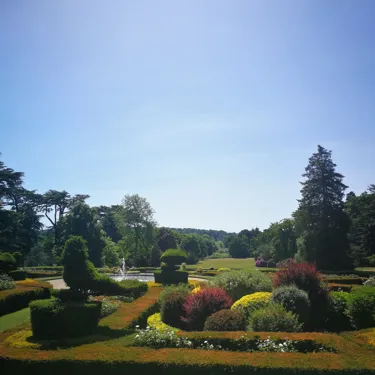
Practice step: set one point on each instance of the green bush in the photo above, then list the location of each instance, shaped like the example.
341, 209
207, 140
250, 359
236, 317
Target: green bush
252, 302
131, 288
16, 299
361, 307
294, 300
181, 288
171, 309
173, 257
6, 282
52, 319
226, 320
274, 318
17, 275
171, 277
240, 283
7, 262
79, 272
337, 317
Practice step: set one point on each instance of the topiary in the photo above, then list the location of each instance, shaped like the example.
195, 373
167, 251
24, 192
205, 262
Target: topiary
7, 262
171, 309
294, 300
240, 283
361, 307
274, 318
337, 317
248, 304
79, 273
226, 320
173, 257
199, 306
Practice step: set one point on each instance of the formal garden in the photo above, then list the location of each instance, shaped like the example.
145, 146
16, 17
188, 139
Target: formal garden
294, 320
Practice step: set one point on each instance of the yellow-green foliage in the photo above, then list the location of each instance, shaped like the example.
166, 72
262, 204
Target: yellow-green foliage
154, 321
223, 269
20, 339
251, 302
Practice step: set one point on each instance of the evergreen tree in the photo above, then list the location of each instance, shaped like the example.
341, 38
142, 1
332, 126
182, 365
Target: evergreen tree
320, 217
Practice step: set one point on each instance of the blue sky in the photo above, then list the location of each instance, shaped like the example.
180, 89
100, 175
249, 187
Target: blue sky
209, 109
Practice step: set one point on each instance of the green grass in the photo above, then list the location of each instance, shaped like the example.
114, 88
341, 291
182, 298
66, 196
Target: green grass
14, 319
227, 263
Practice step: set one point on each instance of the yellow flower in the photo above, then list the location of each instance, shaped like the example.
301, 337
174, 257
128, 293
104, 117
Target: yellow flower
252, 302
196, 289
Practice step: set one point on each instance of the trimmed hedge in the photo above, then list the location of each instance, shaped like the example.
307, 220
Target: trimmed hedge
361, 307
16, 299
113, 357
344, 280
131, 288
23, 274
171, 277
53, 319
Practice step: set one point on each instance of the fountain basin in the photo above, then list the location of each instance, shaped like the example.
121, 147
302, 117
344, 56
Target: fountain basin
141, 277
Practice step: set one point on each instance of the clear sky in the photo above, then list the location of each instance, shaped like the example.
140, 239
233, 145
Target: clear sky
209, 109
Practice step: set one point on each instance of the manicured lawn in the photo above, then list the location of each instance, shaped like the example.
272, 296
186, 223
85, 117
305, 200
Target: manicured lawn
14, 319
227, 263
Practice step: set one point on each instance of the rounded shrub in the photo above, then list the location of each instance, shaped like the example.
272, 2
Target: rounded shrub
248, 304
294, 300
181, 288
199, 306
7, 262
52, 319
274, 318
173, 257
240, 283
337, 317
361, 307
171, 309
6, 282
306, 277
226, 320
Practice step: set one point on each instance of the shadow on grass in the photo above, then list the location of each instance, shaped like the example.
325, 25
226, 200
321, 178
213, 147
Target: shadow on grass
100, 335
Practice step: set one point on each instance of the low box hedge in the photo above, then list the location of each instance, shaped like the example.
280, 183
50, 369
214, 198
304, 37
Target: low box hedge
170, 276
53, 319
18, 298
107, 286
344, 280
31, 274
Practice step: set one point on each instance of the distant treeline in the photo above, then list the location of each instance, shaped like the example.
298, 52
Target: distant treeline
218, 235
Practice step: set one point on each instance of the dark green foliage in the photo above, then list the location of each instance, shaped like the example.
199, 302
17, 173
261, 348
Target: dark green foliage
107, 286
274, 318
52, 319
171, 277
79, 273
16, 299
168, 289
294, 300
361, 307
320, 217
337, 317
238, 248
7, 262
226, 320
171, 309
166, 239
18, 275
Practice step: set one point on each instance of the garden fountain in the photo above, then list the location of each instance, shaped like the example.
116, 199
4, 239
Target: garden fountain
125, 276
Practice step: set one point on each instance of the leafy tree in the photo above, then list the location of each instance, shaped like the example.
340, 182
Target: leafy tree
238, 248
83, 221
320, 217
107, 217
190, 243
166, 239
36, 257
110, 253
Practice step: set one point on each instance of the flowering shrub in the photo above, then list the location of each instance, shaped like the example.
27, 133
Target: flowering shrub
260, 263
6, 282
248, 304
226, 320
199, 306
240, 283
154, 321
274, 318
160, 339
108, 308
196, 289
